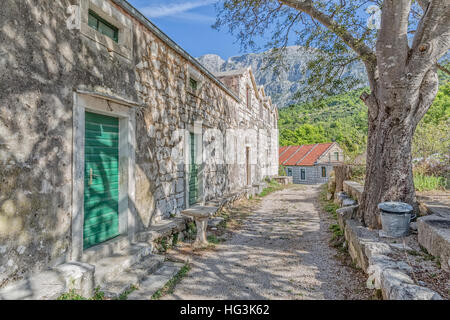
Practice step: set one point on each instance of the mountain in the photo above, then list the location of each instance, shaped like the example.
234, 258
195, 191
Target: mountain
280, 86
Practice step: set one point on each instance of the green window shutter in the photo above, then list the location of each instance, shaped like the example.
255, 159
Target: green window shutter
101, 179
193, 172
103, 26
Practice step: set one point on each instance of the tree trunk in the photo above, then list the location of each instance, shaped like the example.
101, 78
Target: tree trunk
388, 168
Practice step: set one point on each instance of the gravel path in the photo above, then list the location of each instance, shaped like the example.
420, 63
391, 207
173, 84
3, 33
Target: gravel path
281, 251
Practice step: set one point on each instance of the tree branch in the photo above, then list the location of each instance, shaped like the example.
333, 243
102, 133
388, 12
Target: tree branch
443, 69
307, 7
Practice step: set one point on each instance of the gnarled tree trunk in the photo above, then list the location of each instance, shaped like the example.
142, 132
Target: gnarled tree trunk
404, 83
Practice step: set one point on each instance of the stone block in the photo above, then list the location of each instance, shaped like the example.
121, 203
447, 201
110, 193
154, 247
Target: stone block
354, 189
78, 276
434, 235
346, 213
52, 283
396, 285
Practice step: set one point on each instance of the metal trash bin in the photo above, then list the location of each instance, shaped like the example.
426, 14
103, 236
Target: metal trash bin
395, 218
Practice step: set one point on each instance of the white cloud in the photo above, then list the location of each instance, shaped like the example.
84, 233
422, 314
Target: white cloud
174, 8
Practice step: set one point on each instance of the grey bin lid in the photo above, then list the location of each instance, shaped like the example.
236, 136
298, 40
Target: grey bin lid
395, 207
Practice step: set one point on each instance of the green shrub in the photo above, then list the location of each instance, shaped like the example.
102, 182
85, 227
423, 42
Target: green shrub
426, 183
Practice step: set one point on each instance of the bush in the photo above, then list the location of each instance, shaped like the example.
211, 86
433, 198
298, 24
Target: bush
427, 183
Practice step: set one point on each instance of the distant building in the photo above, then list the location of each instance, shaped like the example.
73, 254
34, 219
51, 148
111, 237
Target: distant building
310, 163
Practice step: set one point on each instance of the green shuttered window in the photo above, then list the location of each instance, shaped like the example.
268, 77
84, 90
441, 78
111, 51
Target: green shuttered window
103, 26
193, 173
101, 179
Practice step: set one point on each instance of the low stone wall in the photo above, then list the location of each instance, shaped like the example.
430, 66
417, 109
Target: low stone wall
434, 235
353, 189
341, 173
373, 254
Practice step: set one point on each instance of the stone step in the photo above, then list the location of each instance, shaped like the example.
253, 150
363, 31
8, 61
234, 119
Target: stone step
155, 281
161, 229
106, 249
132, 276
108, 268
51, 284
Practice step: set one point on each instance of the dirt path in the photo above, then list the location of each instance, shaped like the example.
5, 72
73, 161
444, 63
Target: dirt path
281, 251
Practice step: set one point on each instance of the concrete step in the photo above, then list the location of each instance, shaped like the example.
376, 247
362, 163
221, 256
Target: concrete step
107, 269
132, 276
155, 281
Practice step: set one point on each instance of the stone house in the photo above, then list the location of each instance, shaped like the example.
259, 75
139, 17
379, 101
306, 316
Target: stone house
108, 127
310, 164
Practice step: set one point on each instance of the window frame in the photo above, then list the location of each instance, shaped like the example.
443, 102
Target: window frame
99, 20
336, 156
289, 172
193, 83
324, 172
302, 174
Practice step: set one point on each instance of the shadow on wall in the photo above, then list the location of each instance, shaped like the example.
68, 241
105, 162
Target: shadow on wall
43, 62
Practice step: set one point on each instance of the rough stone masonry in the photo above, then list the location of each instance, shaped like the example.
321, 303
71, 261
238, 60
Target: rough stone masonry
54, 66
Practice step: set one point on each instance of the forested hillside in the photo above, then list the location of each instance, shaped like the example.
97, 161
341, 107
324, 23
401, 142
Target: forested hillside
343, 118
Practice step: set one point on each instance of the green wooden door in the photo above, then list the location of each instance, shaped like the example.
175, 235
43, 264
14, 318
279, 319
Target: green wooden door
101, 179
193, 173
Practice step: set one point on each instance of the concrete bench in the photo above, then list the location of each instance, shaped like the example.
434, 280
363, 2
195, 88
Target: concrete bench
200, 214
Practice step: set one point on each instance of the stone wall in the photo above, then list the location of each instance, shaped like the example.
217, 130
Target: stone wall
313, 174
45, 62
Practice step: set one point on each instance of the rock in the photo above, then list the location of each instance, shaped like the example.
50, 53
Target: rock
346, 213
413, 226
354, 190
339, 198
348, 202
214, 222
396, 285
434, 235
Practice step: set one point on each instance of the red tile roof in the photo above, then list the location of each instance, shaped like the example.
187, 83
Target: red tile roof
287, 153
304, 155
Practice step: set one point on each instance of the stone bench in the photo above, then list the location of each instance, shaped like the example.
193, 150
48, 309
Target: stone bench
284, 180
200, 214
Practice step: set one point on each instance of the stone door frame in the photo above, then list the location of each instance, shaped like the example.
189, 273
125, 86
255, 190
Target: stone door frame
197, 130
125, 111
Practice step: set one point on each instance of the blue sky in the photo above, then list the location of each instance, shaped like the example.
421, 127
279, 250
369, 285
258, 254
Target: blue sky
188, 23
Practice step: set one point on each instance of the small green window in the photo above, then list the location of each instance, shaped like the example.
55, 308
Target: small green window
103, 26
324, 172
336, 156
193, 83
289, 172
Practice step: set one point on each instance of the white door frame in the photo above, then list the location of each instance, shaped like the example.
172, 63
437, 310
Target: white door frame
122, 109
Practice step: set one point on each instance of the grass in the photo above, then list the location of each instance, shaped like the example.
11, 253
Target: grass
213, 239
71, 295
191, 230
124, 295
337, 232
171, 284
427, 183
272, 187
